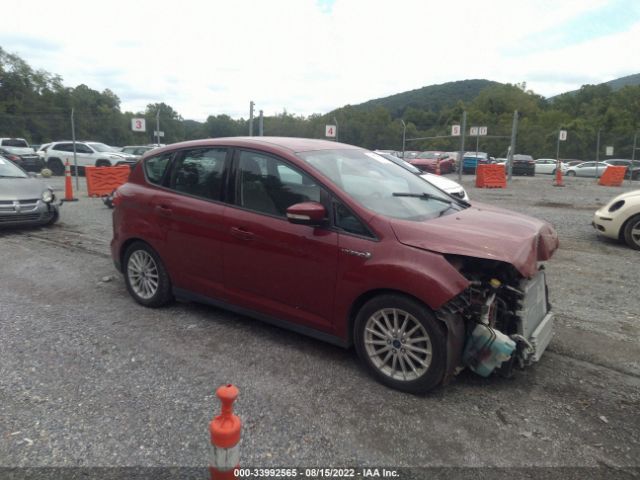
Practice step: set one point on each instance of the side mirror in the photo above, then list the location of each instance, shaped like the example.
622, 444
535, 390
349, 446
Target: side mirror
307, 213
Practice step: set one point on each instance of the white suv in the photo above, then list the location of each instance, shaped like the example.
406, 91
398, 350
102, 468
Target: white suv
88, 154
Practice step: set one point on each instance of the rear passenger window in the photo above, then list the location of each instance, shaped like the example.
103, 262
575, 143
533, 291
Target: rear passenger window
199, 173
155, 167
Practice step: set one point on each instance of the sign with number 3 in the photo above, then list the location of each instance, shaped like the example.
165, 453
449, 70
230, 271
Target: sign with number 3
138, 125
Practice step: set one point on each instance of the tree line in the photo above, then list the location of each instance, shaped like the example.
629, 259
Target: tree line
36, 105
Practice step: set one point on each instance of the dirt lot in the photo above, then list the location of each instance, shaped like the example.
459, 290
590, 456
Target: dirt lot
89, 378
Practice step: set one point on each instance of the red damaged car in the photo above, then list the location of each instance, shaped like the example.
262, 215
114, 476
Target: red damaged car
339, 243
428, 162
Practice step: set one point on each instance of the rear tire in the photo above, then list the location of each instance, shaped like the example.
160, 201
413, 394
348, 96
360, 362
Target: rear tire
401, 343
145, 276
632, 232
571, 173
56, 166
103, 163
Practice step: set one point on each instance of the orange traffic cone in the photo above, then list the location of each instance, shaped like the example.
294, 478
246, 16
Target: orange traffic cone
225, 437
68, 187
558, 182
438, 167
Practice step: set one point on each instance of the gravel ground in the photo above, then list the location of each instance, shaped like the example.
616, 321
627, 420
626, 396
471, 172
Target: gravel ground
89, 378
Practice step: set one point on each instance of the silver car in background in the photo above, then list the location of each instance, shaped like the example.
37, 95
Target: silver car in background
25, 200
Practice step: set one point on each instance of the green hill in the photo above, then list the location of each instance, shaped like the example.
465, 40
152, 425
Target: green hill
433, 97
615, 85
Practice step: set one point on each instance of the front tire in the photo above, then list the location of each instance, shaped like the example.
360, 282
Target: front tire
571, 173
401, 343
145, 276
632, 232
56, 166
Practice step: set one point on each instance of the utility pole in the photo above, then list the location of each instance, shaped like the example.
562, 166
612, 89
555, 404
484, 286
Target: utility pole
404, 136
335, 121
75, 157
633, 156
512, 146
158, 126
261, 124
251, 105
597, 152
463, 131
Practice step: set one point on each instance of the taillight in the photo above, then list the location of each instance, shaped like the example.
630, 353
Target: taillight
116, 198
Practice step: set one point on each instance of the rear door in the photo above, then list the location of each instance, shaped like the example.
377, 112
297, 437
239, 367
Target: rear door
271, 265
192, 212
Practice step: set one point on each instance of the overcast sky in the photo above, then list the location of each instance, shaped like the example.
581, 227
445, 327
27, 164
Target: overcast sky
311, 56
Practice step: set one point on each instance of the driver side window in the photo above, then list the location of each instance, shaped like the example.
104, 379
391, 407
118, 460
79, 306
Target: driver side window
269, 185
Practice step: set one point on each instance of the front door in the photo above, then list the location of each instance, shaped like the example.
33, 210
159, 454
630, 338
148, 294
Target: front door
271, 265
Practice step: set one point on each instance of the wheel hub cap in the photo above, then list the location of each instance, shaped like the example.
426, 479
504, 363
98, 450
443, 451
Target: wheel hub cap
397, 344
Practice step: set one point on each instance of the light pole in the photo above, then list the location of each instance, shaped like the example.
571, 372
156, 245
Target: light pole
463, 131
633, 156
597, 152
158, 126
404, 136
251, 105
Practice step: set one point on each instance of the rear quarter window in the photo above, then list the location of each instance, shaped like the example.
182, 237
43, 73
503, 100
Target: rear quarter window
155, 167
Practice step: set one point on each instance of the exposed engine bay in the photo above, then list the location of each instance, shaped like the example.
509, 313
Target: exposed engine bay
506, 319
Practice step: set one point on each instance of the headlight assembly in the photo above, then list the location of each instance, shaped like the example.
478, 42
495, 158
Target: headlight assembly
47, 196
616, 206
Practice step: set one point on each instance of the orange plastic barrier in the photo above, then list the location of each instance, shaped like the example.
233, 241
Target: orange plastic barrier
490, 176
612, 176
103, 180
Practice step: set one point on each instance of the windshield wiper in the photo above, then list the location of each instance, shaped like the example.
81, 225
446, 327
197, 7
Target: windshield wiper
424, 195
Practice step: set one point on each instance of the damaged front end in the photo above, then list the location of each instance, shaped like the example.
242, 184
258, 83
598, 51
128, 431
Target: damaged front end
506, 318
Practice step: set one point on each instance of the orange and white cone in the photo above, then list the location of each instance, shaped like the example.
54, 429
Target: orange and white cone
68, 186
225, 436
558, 182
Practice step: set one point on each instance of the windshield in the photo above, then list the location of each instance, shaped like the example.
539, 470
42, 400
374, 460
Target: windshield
101, 147
379, 184
431, 155
8, 169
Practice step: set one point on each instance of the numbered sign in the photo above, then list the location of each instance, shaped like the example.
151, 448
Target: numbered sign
473, 131
455, 130
330, 131
158, 133
138, 125
563, 135
609, 151
482, 130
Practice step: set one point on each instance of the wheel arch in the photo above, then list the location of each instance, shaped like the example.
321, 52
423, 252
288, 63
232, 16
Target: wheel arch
368, 295
623, 227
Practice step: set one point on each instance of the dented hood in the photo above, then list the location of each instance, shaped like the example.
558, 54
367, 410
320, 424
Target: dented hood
484, 231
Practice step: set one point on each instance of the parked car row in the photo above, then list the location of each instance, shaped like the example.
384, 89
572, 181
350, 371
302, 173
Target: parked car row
54, 155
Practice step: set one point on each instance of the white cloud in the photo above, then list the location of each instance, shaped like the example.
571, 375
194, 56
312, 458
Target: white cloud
212, 57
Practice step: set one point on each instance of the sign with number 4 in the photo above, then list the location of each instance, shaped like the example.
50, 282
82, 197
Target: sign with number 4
330, 131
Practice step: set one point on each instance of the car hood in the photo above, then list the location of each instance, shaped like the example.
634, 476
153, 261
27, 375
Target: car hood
20, 188
19, 150
484, 231
633, 195
442, 182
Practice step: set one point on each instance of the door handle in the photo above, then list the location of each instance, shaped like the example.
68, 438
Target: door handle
241, 233
163, 210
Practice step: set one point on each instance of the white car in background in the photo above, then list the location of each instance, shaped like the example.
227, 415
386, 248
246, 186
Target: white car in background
620, 219
88, 154
549, 165
443, 183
